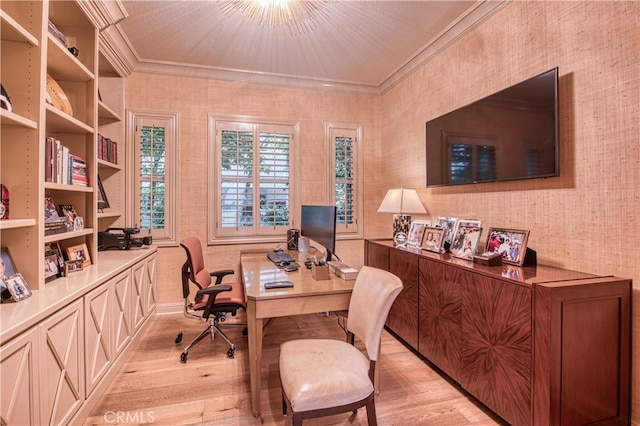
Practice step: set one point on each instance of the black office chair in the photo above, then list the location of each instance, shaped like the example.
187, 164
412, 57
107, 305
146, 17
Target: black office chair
212, 302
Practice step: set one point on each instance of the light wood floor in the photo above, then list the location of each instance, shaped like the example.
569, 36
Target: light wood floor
153, 386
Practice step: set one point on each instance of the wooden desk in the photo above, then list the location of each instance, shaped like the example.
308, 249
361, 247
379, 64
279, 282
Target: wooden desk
306, 297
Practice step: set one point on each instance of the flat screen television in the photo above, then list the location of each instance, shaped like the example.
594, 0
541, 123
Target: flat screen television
512, 134
318, 223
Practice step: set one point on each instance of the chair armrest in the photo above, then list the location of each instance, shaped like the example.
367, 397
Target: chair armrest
221, 274
212, 291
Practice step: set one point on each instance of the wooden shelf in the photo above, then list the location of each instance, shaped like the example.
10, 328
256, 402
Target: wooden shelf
11, 119
11, 30
67, 235
16, 223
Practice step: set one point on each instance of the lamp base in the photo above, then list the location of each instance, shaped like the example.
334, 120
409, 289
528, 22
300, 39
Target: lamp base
401, 224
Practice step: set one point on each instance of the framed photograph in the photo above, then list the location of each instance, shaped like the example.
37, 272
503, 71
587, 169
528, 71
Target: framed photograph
449, 225
465, 239
53, 262
69, 216
73, 266
103, 203
79, 252
17, 287
7, 269
416, 232
510, 243
433, 239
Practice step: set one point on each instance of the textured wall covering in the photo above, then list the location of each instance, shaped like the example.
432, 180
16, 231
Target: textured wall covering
584, 220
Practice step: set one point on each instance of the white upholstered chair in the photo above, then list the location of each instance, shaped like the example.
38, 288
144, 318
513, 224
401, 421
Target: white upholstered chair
321, 377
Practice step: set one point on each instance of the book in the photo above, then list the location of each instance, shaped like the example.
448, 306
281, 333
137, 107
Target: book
50, 212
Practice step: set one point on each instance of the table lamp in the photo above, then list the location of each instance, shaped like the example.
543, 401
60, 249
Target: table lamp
401, 201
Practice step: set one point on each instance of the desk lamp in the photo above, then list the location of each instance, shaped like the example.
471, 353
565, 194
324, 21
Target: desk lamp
401, 201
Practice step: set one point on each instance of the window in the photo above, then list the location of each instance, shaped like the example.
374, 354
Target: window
154, 176
252, 195
346, 179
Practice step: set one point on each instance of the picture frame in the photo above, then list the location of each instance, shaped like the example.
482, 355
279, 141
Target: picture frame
71, 266
7, 269
466, 237
79, 252
510, 243
54, 261
433, 239
17, 287
416, 232
449, 225
103, 202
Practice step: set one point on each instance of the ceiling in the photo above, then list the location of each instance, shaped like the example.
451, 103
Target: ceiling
364, 46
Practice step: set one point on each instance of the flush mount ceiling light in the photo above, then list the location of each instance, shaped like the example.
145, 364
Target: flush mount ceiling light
299, 16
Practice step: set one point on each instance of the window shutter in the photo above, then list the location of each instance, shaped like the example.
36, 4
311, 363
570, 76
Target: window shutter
152, 177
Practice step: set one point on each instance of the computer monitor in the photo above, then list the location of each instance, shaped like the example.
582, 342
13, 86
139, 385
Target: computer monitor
318, 223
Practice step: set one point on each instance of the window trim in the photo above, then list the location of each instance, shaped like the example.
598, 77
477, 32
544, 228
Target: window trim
213, 200
172, 161
356, 129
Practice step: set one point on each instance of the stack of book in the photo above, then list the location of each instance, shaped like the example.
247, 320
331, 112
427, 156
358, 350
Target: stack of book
55, 32
61, 166
107, 149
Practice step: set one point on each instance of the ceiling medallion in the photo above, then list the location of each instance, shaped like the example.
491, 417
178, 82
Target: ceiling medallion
299, 16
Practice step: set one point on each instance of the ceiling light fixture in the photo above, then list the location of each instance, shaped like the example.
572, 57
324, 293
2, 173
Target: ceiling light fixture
299, 16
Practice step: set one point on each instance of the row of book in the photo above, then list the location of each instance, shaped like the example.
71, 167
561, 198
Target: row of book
62, 166
107, 149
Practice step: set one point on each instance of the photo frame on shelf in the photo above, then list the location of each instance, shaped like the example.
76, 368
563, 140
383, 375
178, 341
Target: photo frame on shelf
73, 266
79, 252
103, 202
7, 269
53, 261
465, 239
433, 239
510, 243
69, 216
416, 232
17, 287
449, 225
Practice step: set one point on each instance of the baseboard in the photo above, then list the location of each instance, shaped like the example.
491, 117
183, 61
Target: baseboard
170, 308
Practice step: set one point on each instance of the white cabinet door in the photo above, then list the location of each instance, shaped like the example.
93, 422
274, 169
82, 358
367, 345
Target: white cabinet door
19, 403
61, 346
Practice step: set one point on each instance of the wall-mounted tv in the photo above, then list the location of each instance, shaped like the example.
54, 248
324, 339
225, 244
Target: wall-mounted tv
512, 134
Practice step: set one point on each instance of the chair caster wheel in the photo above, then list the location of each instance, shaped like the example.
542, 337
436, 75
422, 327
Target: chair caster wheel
183, 358
245, 332
178, 338
231, 352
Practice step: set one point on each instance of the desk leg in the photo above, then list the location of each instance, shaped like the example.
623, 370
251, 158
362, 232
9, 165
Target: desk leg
255, 329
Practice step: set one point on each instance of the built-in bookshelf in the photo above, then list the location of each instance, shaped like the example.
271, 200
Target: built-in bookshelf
110, 143
35, 63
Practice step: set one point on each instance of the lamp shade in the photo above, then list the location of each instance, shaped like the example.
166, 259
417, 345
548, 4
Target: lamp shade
401, 200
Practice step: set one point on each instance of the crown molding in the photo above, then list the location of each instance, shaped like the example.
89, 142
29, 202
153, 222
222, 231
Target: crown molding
104, 13
116, 48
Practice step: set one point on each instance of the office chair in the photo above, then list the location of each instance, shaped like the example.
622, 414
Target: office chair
212, 302
321, 377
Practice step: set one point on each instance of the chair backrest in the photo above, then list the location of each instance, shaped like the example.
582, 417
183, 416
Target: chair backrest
193, 269
374, 292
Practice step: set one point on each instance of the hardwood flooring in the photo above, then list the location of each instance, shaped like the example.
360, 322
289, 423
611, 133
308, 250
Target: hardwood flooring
153, 386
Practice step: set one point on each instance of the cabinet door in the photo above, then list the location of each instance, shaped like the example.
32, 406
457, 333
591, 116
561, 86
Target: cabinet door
377, 255
496, 345
61, 364
122, 324
403, 316
19, 381
143, 289
99, 350
440, 319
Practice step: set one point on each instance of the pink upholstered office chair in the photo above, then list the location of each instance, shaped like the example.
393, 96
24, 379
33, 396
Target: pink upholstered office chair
212, 302
322, 377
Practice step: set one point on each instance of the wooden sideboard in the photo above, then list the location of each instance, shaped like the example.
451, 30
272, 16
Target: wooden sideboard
537, 345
